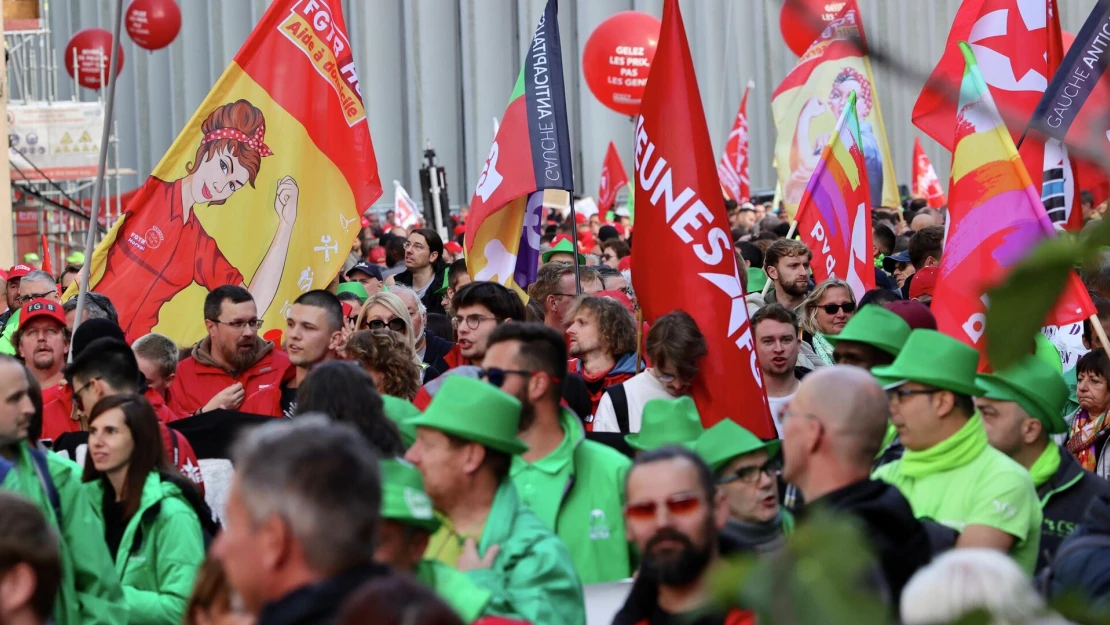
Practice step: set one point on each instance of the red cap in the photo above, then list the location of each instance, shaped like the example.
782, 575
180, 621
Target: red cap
923, 282
620, 296
460, 229
42, 307
18, 271
579, 218
619, 227
453, 247
377, 255
625, 263
365, 222
916, 314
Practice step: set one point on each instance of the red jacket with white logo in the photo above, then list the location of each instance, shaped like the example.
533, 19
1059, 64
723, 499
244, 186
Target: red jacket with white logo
199, 379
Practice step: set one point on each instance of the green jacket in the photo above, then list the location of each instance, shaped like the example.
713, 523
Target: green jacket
453, 586
589, 518
89, 593
6, 345
157, 573
533, 576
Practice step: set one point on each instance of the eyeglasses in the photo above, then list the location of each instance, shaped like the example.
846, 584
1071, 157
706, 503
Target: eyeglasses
253, 324
677, 505
896, 395
419, 247
26, 299
77, 400
496, 376
663, 377
473, 321
396, 324
750, 475
832, 309
565, 294
607, 257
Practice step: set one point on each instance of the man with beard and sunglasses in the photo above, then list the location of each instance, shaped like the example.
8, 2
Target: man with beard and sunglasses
232, 368
574, 485
674, 515
787, 265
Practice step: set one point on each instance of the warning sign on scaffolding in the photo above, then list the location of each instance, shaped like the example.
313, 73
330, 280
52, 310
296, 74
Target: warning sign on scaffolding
54, 141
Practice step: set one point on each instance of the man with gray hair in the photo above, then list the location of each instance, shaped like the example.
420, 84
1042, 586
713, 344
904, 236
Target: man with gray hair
38, 285
429, 347
302, 519
97, 306
832, 430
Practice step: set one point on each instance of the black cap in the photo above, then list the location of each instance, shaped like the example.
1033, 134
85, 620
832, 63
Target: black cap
374, 271
607, 232
93, 329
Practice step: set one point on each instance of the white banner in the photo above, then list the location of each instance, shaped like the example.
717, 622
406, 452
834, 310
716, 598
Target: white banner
62, 140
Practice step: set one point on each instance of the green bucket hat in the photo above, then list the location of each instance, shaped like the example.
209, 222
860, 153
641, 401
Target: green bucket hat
877, 327
75, 258
933, 359
1033, 385
722, 443
666, 422
565, 246
400, 412
474, 411
353, 287
757, 278
403, 496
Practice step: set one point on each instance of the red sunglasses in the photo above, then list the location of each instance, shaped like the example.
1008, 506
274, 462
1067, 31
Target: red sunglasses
678, 505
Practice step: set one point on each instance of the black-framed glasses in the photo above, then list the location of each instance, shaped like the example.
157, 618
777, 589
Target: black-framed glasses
27, 299
77, 400
473, 321
496, 376
750, 475
832, 309
898, 394
396, 324
608, 257
253, 324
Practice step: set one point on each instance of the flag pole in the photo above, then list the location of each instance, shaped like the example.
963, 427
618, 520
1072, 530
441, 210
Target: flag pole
639, 338
98, 186
574, 242
789, 233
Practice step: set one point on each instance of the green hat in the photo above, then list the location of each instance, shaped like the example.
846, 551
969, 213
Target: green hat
400, 412
1047, 352
877, 327
1033, 385
353, 287
756, 279
403, 496
722, 443
666, 422
933, 359
31, 257
565, 246
76, 258
474, 411
446, 283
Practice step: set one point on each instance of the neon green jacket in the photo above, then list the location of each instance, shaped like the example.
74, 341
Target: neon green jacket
89, 593
159, 554
6, 345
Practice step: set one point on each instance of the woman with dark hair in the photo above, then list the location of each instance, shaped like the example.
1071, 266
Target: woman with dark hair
346, 393
152, 516
424, 268
396, 600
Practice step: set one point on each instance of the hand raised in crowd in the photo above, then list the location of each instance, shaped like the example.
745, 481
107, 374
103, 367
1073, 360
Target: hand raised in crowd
469, 560
228, 399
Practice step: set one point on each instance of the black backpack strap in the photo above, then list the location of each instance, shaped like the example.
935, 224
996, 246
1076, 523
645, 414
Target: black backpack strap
619, 397
176, 453
42, 468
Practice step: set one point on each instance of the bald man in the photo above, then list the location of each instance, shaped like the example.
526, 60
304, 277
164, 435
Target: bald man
832, 430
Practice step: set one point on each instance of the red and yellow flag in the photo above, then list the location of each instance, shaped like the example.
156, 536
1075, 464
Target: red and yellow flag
284, 123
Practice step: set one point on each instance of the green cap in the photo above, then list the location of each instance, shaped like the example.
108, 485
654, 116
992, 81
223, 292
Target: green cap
400, 412
76, 258
403, 496
877, 327
757, 278
667, 422
1033, 385
353, 287
728, 440
446, 283
933, 359
31, 257
566, 246
474, 411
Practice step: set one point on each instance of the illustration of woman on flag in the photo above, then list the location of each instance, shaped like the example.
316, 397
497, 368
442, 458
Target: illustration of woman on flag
805, 153
161, 247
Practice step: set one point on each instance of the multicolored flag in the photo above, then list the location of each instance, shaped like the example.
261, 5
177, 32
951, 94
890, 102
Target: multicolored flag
682, 230
834, 218
733, 168
530, 153
995, 219
810, 100
613, 177
285, 120
925, 181
405, 212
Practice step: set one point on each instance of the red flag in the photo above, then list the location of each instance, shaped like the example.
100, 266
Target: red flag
613, 177
733, 168
925, 181
682, 230
46, 265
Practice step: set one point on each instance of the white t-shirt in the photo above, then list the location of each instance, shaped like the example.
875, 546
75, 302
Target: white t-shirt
778, 404
640, 389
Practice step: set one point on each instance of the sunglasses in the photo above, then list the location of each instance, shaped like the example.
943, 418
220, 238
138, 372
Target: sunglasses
750, 475
832, 309
496, 376
677, 505
396, 324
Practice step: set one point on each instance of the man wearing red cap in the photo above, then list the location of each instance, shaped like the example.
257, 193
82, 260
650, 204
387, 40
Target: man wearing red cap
42, 341
15, 274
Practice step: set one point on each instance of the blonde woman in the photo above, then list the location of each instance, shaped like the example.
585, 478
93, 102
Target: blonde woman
825, 311
386, 311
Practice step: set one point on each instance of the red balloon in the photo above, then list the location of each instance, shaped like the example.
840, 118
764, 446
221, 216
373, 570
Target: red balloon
617, 58
801, 21
91, 46
153, 24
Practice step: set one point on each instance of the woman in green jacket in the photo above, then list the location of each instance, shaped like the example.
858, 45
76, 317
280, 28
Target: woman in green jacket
148, 510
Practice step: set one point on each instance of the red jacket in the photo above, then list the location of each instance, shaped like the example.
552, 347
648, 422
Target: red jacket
454, 358
57, 413
199, 379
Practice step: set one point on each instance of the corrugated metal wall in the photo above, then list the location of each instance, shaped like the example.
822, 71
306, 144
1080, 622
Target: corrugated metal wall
440, 70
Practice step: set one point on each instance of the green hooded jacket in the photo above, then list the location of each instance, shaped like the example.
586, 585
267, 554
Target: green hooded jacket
453, 586
533, 576
89, 592
580, 486
159, 553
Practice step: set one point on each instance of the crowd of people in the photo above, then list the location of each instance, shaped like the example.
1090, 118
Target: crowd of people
417, 447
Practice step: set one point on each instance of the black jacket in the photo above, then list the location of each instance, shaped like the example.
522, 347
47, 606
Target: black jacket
435, 349
899, 539
432, 300
319, 603
1086, 569
1064, 500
